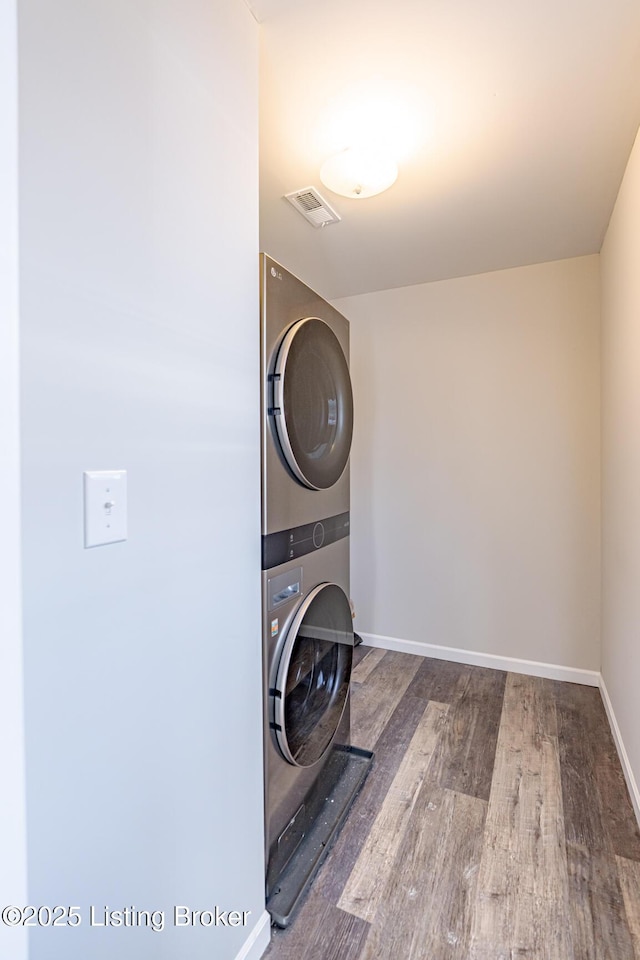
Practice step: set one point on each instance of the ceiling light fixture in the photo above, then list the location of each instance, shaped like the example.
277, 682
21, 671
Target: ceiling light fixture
359, 173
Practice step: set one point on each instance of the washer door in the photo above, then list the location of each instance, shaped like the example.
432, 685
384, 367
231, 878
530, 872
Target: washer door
313, 675
313, 403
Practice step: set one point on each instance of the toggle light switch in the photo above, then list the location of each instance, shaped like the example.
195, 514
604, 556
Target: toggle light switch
105, 507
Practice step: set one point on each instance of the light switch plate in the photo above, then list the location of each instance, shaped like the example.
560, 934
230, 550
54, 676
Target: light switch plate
105, 507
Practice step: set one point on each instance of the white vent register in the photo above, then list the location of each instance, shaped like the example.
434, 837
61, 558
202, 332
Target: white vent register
313, 207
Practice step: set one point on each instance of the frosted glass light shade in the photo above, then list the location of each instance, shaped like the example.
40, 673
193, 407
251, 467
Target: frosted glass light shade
358, 173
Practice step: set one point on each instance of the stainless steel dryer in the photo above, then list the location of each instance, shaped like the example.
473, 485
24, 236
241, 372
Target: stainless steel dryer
307, 414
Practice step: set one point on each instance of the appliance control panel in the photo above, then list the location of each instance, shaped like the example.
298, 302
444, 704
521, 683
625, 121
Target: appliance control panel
297, 542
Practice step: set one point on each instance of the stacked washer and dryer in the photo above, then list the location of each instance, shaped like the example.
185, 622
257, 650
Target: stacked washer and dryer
312, 771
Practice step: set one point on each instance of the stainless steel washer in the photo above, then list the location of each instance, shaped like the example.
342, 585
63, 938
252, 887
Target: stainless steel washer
308, 641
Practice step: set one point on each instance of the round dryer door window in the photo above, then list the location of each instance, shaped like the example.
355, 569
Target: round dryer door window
313, 675
314, 403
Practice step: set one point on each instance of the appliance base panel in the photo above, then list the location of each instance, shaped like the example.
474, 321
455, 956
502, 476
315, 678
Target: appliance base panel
346, 771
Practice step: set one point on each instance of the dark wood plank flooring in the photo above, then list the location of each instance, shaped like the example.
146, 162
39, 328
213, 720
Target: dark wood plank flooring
495, 824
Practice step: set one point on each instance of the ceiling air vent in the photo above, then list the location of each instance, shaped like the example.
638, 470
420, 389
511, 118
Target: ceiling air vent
312, 206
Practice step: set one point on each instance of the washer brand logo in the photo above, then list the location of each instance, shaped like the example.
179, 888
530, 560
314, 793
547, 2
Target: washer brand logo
274, 627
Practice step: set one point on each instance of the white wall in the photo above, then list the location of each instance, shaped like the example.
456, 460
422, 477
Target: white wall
475, 466
13, 882
140, 351
621, 461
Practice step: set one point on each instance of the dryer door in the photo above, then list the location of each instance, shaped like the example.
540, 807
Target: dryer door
313, 675
313, 403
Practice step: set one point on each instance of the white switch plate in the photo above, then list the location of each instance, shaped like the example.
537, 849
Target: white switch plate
105, 507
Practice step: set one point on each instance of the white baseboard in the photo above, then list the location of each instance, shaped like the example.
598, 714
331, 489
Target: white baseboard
634, 792
534, 668
257, 941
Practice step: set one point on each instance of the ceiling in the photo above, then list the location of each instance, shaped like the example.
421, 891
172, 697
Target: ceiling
512, 122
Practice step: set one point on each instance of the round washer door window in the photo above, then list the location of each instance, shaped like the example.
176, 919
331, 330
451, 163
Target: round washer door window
312, 392
313, 675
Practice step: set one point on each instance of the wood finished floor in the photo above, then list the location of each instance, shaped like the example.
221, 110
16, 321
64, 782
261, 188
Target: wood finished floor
494, 825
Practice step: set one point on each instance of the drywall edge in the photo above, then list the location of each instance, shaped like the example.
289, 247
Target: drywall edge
13, 880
